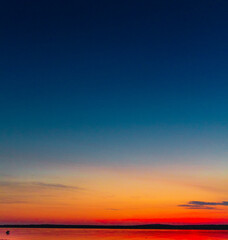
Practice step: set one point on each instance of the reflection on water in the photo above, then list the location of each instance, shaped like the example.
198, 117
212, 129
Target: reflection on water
101, 234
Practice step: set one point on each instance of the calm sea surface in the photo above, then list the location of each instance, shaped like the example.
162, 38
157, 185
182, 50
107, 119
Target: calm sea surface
101, 234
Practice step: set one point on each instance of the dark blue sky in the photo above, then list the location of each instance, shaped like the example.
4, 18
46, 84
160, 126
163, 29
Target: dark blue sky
110, 79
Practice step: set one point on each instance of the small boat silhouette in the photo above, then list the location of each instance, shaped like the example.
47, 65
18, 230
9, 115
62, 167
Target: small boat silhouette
7, 232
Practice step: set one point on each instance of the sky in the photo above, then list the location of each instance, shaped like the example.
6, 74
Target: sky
113, 112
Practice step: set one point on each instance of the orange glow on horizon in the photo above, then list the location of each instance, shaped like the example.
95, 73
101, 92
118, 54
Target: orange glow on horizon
108, 197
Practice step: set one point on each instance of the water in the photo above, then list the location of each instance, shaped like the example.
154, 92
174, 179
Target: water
104, 234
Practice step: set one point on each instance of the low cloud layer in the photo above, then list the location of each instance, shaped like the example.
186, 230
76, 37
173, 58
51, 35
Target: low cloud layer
203, 205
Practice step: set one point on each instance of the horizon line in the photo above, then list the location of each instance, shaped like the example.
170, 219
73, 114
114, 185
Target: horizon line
137, 226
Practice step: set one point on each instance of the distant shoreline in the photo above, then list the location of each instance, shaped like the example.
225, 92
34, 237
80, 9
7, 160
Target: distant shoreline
147, 226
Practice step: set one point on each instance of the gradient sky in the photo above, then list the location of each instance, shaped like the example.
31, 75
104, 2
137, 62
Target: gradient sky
114, 111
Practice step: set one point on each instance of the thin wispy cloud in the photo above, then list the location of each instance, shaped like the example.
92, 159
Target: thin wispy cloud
12, 200
13, 192
203, 205
37, 185
113, 209
56, 186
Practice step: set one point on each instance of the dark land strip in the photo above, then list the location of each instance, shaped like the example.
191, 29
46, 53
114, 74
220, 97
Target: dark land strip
147, 226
